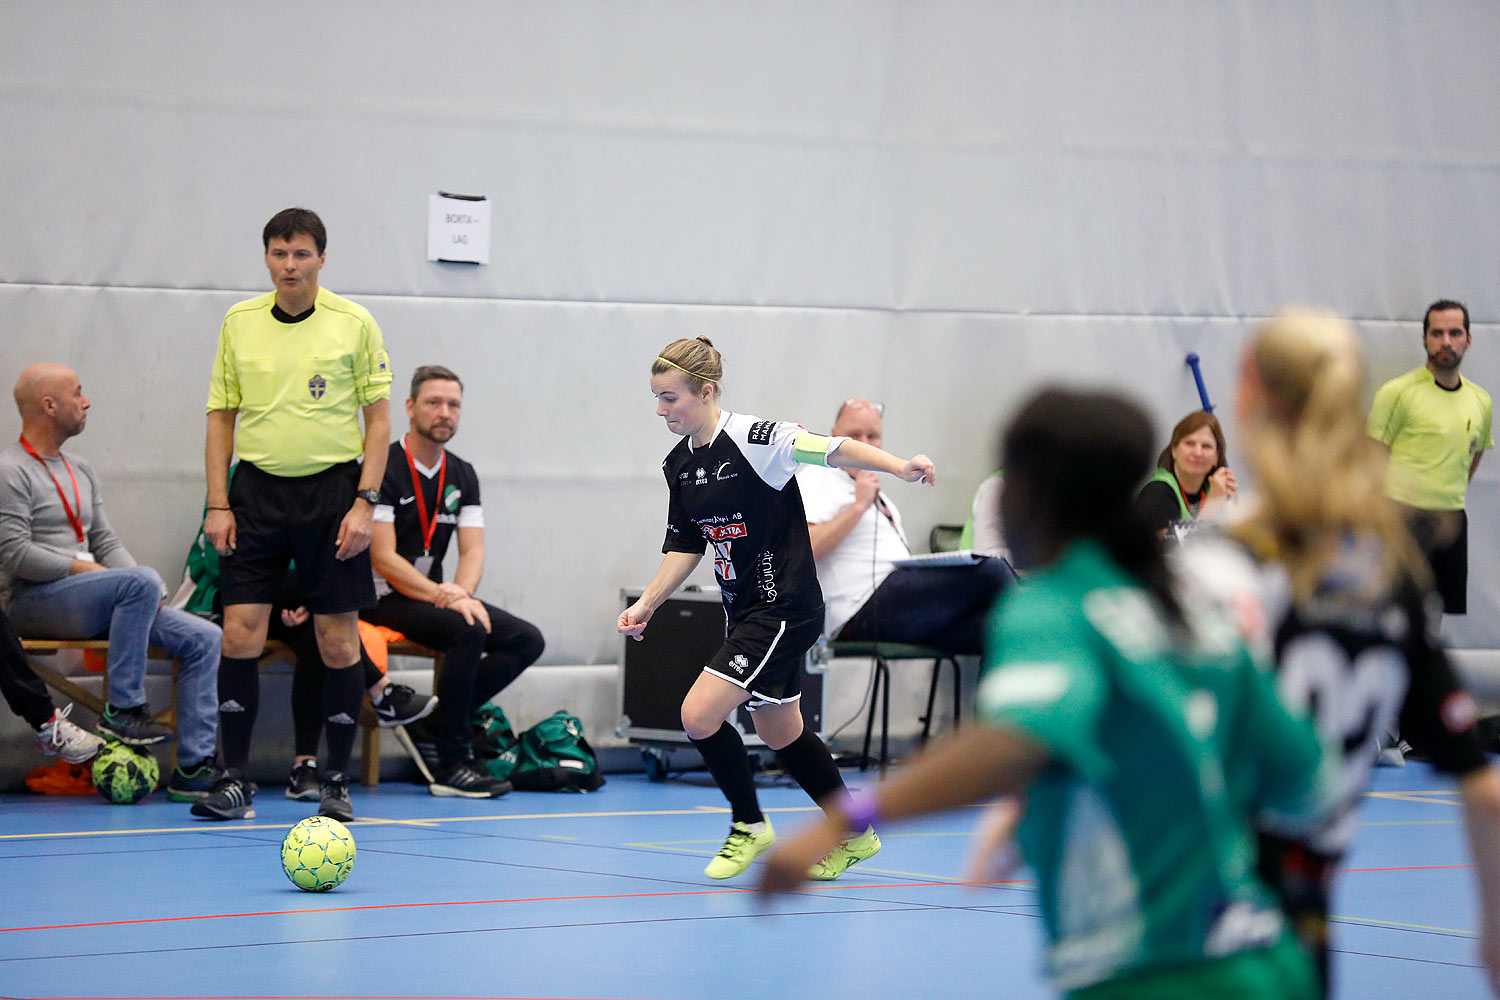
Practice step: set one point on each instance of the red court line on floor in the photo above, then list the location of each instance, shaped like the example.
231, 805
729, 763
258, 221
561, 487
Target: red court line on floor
484, 902
1412, 868
566, 899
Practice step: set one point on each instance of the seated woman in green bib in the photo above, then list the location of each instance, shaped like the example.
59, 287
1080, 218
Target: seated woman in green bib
1192, 477
1140, 728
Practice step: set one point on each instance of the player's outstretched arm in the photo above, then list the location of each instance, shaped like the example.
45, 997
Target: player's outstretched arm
675, 568
858, 455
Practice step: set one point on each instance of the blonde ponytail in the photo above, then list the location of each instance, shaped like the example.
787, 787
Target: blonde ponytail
1321, 478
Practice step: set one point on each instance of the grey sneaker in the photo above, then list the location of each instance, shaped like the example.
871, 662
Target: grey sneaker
333, 799
1394, 755
60, 738
302, 784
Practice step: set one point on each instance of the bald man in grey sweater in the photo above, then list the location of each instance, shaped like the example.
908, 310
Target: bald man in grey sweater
65, 574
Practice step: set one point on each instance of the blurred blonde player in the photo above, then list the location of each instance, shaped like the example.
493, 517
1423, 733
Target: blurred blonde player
1338, 593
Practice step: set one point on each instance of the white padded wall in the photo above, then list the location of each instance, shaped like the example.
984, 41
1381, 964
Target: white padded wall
936, 204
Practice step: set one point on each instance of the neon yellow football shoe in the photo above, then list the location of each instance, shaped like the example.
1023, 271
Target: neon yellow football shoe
739, 850
852, 851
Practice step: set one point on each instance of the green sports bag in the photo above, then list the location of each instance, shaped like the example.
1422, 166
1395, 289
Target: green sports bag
553, 756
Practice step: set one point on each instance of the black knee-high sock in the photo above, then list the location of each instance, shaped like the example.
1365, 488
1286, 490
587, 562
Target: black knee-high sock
239, 700
343, 697
810, 764
729, 763
307, 706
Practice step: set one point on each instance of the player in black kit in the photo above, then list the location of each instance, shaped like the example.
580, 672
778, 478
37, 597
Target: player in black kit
730, 484
1339, 595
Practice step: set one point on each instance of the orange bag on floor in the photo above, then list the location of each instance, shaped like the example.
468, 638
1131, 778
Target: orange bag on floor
62, 778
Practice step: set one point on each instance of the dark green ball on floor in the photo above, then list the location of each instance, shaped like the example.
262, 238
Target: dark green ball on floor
123, 774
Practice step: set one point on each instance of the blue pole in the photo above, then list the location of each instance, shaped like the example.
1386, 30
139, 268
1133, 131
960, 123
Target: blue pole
1192, 360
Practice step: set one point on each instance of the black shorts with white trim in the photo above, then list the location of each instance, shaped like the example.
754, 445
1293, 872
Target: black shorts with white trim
765, 655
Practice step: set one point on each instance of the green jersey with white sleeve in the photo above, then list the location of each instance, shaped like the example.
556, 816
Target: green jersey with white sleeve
1139, 830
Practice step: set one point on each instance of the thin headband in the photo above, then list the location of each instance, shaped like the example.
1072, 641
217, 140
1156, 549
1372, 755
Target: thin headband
692, 373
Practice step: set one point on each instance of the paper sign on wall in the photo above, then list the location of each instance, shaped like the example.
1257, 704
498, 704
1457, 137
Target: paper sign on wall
458, 228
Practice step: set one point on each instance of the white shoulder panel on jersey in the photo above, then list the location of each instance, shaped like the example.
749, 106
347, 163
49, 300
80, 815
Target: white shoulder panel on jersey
768, 445
1212, 569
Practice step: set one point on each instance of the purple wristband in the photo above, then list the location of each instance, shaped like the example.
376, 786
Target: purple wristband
860, 810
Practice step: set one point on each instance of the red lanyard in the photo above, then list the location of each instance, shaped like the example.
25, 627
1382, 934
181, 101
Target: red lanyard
1202, 495
429, 528
74, 519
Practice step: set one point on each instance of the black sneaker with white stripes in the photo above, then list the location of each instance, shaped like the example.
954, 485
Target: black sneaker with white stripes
334, 798
229, 798
399, 705
465, 779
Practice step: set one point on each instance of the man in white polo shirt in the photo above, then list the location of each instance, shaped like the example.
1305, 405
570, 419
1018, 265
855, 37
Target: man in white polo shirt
857, 535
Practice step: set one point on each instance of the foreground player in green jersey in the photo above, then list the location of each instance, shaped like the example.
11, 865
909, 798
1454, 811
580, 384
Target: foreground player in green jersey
1143, 737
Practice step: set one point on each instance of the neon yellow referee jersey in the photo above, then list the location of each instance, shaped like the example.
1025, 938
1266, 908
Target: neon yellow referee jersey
299, 387
1434, 434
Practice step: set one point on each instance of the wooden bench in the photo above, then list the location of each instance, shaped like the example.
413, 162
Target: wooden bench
275, 652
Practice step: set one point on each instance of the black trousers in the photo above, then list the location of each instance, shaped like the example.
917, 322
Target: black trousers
1443, 537
944, 607
22, 689
477, 664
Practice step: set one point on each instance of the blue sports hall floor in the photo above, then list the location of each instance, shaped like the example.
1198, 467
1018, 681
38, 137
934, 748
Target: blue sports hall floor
602, 896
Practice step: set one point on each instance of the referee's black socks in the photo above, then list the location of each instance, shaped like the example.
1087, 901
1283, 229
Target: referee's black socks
728, 761
810, 764
239, 700
343, 698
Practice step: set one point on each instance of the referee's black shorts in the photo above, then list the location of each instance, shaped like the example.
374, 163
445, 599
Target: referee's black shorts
280, 519
1443, 537
765, 656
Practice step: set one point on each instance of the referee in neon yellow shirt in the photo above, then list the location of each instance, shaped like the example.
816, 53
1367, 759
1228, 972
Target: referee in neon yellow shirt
296, 368
1437, 426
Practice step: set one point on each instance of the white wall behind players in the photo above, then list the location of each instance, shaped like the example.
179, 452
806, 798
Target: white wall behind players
937, 205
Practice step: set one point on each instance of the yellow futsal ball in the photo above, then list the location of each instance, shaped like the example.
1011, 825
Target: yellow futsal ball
317, 854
